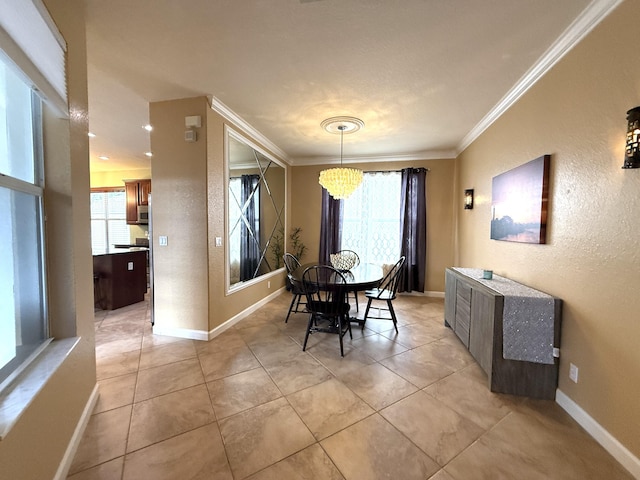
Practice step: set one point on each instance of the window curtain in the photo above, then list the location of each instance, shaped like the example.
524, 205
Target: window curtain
330, 231
250, 227
413, 228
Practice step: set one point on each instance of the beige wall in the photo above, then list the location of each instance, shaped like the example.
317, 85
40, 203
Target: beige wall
116, 178
306, 206
179, 172
188, 207
576, 113
36, 444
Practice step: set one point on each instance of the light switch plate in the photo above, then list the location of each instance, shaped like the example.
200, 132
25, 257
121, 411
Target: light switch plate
130, 266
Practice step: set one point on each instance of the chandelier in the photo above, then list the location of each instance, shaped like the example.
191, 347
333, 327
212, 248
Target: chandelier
341, 182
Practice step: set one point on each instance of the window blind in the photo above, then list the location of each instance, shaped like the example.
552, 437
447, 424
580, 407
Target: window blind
31, 41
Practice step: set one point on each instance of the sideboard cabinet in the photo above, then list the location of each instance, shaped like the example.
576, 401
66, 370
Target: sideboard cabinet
519, 358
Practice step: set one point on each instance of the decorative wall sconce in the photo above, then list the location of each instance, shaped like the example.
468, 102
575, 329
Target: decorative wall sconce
468, 199
632, 149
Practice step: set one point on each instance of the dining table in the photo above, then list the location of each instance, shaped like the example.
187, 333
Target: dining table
361, 278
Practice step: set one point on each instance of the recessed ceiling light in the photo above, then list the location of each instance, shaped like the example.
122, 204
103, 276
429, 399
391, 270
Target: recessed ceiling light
103, 157
91, 134
149, 154
148, 127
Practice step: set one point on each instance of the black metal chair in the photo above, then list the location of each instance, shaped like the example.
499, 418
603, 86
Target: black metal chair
324, 288
344, 261
291, 263
385, 292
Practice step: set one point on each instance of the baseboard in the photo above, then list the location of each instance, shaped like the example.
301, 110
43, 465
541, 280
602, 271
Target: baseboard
243, 314
180, 333
627, 459
206, 336
424, 294
72, 448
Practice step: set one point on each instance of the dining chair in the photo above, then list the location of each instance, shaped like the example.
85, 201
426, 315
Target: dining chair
344, 261
291, 263
385, 292
328, 311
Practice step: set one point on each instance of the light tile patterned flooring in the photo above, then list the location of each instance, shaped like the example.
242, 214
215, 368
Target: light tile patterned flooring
251, 404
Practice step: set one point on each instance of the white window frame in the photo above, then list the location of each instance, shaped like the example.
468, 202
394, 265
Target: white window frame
106, 219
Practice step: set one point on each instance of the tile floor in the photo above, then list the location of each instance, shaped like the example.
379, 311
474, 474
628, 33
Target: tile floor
250, 404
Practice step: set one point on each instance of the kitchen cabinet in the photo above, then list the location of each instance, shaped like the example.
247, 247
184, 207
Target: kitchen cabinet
519, 359
137, 193
120, 278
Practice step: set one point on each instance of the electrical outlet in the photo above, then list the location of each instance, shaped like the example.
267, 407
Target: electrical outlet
573, 372
163, 240
130, 266
218, 241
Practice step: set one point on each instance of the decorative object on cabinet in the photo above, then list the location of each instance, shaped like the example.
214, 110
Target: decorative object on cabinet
468, 199
341, 182
632, 148
519, 203
512, 330
137, 192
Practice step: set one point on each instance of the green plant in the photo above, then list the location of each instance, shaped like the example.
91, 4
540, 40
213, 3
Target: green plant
277, 247
297, 247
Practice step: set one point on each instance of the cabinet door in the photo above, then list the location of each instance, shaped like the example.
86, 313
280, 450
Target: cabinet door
463, 311
131, 190
144, 189
450, 299
481, 334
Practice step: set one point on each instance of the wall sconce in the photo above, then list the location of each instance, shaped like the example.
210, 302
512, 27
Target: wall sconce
468, 199
632, 149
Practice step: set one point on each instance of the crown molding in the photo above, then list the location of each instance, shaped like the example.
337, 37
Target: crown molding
579, 28
248, 129
426, 155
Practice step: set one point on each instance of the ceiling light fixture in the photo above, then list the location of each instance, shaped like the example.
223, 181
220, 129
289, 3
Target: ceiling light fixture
148, 154
103, 157
148, 127
91, 134
341, 182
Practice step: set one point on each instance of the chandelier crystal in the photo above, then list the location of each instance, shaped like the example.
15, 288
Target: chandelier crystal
341, 182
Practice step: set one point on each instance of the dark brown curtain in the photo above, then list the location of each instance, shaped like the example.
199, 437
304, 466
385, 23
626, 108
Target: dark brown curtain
413, 228
330, 227
250, 227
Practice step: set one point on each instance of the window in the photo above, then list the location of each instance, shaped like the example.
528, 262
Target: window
371, 218
23, 312
108, 220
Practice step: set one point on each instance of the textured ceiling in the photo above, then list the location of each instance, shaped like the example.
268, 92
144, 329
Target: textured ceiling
421, 74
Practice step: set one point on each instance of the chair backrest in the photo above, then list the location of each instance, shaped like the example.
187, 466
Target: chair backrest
391, 280
344, 260
290, 262
321, 284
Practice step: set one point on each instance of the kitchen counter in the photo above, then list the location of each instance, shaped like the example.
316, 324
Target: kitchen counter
120, 278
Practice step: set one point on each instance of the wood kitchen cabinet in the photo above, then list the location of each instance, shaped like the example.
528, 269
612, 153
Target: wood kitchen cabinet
120, 278
476, 313
137, 192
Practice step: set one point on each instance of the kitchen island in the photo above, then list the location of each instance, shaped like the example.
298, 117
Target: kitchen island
120, 278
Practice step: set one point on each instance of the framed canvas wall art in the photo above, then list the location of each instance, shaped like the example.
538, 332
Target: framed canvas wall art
519, 199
